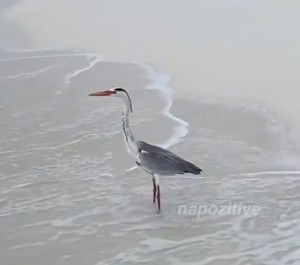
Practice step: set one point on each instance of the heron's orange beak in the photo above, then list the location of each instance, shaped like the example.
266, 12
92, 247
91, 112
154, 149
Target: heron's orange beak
103, 93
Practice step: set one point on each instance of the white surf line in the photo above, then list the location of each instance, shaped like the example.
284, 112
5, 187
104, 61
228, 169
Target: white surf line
259, 173
218, 182
131, 168
160, 82
181, 131
40, 50
27, 74
35, 244
247, 174
43, 56
93, 59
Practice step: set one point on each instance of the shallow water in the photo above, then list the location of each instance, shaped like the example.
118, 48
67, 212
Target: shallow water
67, 196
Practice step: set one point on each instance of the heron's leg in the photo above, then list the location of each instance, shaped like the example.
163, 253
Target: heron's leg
158, 198
154, 188
157, 191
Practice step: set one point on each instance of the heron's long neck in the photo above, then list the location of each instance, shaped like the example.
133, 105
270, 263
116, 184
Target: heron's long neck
128, 135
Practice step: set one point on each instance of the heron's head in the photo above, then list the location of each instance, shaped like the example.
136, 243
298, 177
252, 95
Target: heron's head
114, 92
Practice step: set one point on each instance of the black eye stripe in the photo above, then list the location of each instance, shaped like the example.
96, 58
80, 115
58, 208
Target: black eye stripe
120, 89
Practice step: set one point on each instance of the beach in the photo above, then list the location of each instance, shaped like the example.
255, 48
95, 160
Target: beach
220, 98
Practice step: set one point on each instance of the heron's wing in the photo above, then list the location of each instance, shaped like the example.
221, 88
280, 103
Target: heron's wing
163, 162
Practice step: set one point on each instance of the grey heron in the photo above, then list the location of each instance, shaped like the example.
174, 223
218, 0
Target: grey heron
155, 160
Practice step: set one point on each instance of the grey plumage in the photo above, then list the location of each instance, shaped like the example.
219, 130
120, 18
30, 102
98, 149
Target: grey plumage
157, 160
